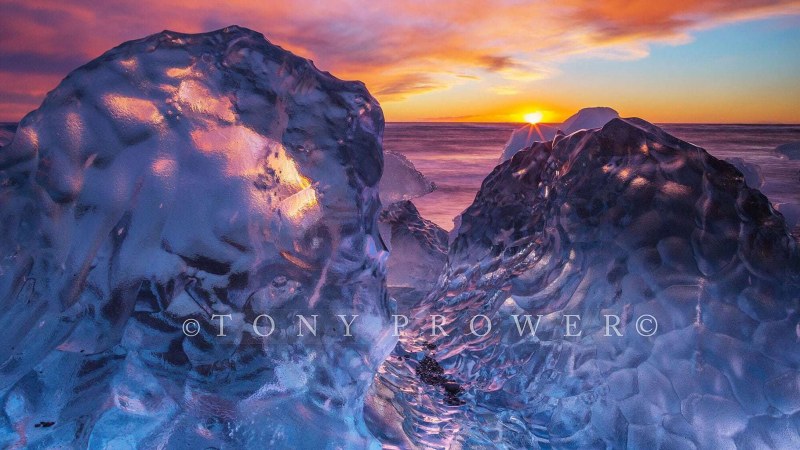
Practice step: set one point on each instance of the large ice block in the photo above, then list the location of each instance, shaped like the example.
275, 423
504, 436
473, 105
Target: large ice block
180, 184
664, 293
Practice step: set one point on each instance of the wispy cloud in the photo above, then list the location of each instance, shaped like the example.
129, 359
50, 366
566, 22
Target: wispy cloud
407, 84
400, 49
612, 21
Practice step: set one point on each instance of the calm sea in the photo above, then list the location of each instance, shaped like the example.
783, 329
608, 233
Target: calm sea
458, 156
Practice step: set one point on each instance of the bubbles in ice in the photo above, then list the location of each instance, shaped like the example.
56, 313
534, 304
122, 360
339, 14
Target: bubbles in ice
175, 183
628, 224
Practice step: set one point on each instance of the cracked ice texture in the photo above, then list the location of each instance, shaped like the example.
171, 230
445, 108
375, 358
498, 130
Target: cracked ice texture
624, 220
181, 176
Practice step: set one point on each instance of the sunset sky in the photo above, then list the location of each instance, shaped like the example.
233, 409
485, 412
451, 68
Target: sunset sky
666, 61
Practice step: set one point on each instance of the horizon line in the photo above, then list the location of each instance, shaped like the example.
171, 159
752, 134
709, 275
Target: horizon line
488, 122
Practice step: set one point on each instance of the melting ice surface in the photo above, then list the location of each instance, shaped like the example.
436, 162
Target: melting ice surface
192, 176
624, 221
181, 177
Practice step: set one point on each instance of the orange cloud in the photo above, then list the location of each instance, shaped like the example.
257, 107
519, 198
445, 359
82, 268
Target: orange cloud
613, 20
401, 50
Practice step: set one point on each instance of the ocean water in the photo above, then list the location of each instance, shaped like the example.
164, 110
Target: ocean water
458, 156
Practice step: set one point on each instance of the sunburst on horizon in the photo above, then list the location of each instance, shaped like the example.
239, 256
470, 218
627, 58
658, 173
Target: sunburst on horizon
533, 117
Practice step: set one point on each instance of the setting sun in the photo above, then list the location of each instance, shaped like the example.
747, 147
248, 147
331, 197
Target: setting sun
534, 117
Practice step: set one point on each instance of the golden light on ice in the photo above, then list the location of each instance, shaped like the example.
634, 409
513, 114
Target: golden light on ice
301, 204
534, 117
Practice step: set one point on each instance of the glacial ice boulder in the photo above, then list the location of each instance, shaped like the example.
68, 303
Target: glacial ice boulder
418, 252
751, 172
665, 295
401, 180
589, 118
791, 214
181, 178
6, 132
418, 247
585, 119
790, 150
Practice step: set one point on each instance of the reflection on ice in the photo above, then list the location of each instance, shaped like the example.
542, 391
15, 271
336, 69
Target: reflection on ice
624, 222
180, 179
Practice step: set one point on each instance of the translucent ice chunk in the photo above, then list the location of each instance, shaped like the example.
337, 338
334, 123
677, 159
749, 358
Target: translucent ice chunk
177, 185
401, 180
624, 225
585, 119
418, 252
752, 173
790, 150
6, 132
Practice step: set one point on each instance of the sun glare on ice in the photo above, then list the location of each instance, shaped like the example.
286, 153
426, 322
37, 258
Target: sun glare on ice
533, 118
